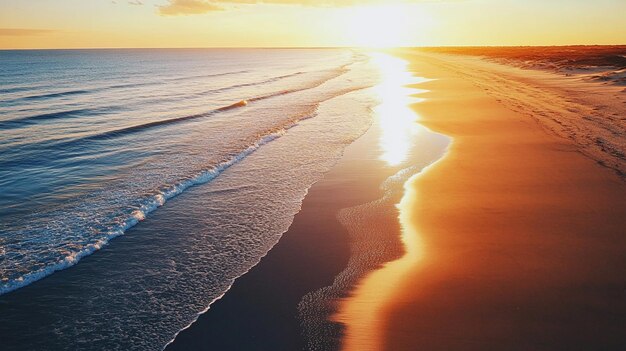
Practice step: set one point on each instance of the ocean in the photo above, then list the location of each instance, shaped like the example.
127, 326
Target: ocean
141, 183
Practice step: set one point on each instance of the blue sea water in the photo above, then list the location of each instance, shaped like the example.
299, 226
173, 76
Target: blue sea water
140, 185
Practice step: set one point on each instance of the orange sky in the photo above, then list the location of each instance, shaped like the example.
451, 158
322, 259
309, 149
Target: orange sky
279, 23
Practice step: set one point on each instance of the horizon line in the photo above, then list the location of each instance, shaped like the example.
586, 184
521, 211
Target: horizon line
303, 47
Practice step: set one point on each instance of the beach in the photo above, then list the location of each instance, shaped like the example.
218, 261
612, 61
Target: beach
519, 229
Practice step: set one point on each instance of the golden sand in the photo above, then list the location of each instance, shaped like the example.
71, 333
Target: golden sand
514, 240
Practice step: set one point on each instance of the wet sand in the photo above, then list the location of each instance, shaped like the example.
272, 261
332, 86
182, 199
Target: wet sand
518, 235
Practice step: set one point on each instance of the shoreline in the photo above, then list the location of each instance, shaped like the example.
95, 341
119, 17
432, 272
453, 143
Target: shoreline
347, 227
261, 307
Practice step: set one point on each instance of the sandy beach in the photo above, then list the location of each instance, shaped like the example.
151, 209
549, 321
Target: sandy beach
518, 230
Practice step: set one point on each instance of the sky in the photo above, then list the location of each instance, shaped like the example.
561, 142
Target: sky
32, 24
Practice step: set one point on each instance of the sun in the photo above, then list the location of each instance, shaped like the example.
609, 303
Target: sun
378, 26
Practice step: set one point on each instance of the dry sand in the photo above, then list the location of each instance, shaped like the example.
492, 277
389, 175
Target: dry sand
519, 232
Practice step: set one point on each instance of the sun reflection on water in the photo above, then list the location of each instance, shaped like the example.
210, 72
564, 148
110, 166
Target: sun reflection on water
396, 118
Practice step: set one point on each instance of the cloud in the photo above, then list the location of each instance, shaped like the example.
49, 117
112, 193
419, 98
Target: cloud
187, 7
135, 2
20, 32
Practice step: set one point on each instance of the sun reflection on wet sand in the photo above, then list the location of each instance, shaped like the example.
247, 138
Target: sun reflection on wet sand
361, 312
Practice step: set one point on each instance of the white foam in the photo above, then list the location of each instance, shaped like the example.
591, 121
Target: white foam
149, 205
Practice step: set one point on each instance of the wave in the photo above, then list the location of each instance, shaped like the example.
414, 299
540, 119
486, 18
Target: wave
155, 199
54, 95
145, 126
207, 75
251, 84
29, 120
15, 90
153, 202
29, 153
116, 86
133, 85
147, 206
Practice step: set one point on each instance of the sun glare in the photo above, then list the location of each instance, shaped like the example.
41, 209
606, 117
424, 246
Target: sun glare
378, 26
397, 119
